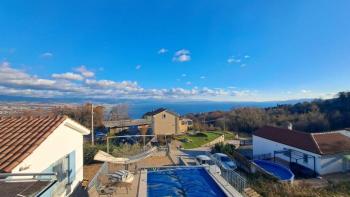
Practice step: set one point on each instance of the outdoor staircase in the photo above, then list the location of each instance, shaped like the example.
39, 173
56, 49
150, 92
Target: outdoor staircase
249, 192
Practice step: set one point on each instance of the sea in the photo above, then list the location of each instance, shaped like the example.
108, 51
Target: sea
136, 110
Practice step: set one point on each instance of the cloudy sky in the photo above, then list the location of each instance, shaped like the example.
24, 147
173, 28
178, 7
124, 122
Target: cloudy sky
175, 49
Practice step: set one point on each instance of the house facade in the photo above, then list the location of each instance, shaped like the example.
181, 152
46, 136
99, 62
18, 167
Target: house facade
325, 153
163, 122
185, 124
44, 145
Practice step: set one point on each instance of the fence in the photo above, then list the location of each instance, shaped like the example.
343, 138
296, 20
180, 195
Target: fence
232, 177
262, 156
95, 181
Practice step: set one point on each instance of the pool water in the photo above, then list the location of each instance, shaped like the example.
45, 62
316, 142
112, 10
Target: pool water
191, 182
280, 172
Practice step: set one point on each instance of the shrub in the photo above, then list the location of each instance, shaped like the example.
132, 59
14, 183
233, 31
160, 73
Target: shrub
228, 149
89, 152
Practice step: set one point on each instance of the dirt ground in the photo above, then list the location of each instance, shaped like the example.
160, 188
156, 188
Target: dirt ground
90, 170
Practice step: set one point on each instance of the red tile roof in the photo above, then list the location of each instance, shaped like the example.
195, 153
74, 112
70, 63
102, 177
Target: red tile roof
332, 142
20, 136
319, 143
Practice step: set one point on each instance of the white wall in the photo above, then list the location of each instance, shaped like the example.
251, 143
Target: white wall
60, 143
331, 164
324, 164
265, 146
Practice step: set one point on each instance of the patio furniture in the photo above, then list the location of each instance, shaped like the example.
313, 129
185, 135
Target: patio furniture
121, 176
106, 190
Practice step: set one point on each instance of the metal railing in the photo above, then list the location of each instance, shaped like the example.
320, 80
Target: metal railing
262, 156
6, 177
95, 181
231, 176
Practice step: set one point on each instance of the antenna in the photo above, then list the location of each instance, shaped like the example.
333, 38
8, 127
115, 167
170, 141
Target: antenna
92, 125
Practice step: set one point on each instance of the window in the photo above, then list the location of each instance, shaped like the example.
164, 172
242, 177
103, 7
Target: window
286, 152
61, 168
164, 116
305, 158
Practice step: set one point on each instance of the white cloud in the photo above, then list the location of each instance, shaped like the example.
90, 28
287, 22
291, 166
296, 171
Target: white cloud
243, 65
46, 55
246, 56
232, 60
14, 81
85, 72
68, 76
162, 51
183, 75
5, 64
182, 55
305, 91
138, 67
203, 77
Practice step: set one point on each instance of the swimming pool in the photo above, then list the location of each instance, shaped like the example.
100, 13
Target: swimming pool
192, 182
280, 172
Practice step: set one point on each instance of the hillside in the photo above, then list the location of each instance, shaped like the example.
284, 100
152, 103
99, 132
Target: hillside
314, 116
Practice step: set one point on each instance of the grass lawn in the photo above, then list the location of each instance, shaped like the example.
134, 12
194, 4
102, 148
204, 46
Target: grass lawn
198, 140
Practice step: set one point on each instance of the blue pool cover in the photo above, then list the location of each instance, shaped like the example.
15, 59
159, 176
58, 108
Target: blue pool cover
280, 172
191, 182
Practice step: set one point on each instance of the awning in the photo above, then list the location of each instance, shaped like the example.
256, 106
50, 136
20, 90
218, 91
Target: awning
347, 157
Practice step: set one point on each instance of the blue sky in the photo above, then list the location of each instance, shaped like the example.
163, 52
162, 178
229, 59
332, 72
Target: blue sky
217, 50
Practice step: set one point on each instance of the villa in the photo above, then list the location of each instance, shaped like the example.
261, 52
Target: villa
323, 153
40, 146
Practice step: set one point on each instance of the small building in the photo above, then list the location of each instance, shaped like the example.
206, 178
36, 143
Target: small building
185, 124
324, 153
116, 126
163, 121
44, 145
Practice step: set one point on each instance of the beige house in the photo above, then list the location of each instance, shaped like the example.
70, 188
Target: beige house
164, 122
185, 124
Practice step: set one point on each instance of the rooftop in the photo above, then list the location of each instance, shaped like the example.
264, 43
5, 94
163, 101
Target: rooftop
20, 136
157, 111
320, 143
125, 123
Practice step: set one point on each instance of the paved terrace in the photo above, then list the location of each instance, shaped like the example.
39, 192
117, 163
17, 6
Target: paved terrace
130, 190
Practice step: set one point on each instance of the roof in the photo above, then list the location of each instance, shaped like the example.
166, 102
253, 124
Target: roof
20, 136
332, 142
24, 188
157, 111
319, 143
126, 123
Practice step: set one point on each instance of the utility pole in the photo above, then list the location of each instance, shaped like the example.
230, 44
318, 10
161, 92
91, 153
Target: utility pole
92, 125
224, 123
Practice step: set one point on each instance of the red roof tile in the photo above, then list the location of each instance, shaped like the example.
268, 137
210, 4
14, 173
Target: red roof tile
319, 143
332, 142
20, 136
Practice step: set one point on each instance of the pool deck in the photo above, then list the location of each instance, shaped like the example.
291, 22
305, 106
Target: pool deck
131, 190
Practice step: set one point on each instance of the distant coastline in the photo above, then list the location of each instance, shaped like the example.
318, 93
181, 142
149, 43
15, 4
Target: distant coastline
138, 107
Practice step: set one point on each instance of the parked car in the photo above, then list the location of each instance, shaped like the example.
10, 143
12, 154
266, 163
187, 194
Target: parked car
224, 161
204, 160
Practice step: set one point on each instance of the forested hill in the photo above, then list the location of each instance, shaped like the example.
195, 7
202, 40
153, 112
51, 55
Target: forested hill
315, 116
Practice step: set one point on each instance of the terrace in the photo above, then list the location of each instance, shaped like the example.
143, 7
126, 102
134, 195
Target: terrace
164, 160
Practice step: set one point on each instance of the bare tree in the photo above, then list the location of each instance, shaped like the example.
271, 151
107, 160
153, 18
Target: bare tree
119, 112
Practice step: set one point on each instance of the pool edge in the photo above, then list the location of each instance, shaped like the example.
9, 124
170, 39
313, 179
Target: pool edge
142, 189
291, 180
228, 189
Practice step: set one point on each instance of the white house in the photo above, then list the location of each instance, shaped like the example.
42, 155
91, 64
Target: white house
327, 152
43, 145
